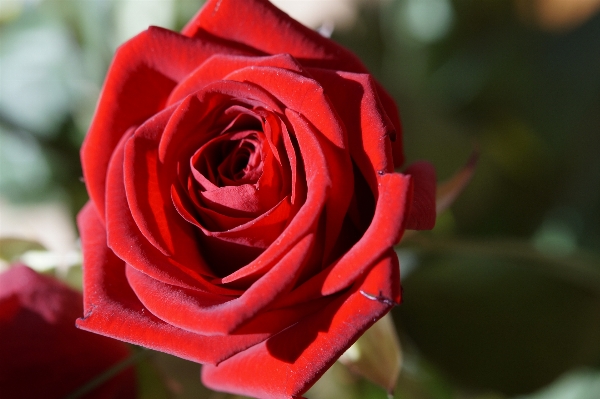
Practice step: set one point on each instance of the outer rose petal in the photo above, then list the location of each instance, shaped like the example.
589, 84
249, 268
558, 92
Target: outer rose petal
287, 364
111, 308
262, 26
43, 354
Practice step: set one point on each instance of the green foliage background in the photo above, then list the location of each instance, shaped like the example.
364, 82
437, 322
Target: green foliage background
502, 299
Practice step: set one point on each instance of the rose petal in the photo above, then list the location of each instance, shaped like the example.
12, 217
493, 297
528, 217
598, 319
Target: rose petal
126, 240
318, 160
355, 98
321, 148
284, 153
259, 232
385, 230
262, 26
308, 99
207, 315
194, 120
112, 309
147, 188
299, 355
220, 65
241, 201
235, 252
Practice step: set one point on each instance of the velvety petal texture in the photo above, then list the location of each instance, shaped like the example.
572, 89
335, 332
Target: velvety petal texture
43, 354
244, 200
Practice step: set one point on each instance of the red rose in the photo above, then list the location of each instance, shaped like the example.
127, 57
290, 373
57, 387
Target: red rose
43, 354
244, 203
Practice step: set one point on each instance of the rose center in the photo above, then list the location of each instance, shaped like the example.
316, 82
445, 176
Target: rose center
231, 159
241, 162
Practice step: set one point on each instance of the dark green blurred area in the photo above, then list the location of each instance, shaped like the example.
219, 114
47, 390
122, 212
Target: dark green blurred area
503, 297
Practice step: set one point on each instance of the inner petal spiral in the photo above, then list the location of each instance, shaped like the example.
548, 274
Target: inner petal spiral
230, 159
235, 186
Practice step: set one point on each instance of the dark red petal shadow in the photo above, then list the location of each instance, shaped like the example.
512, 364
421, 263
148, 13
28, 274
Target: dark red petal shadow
421, 212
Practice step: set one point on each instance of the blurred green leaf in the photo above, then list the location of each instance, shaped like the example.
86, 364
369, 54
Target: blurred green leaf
180, 377
502, 317
73, 277
418, 380
24, 171
12, 248
150, 383
337, 382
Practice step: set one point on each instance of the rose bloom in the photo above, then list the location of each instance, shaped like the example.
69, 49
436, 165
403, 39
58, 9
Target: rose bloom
244, 204
42, 354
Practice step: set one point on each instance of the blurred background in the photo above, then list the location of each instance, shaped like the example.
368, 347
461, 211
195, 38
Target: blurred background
501, 299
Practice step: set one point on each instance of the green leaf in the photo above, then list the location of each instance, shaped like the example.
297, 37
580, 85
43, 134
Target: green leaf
502, 317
